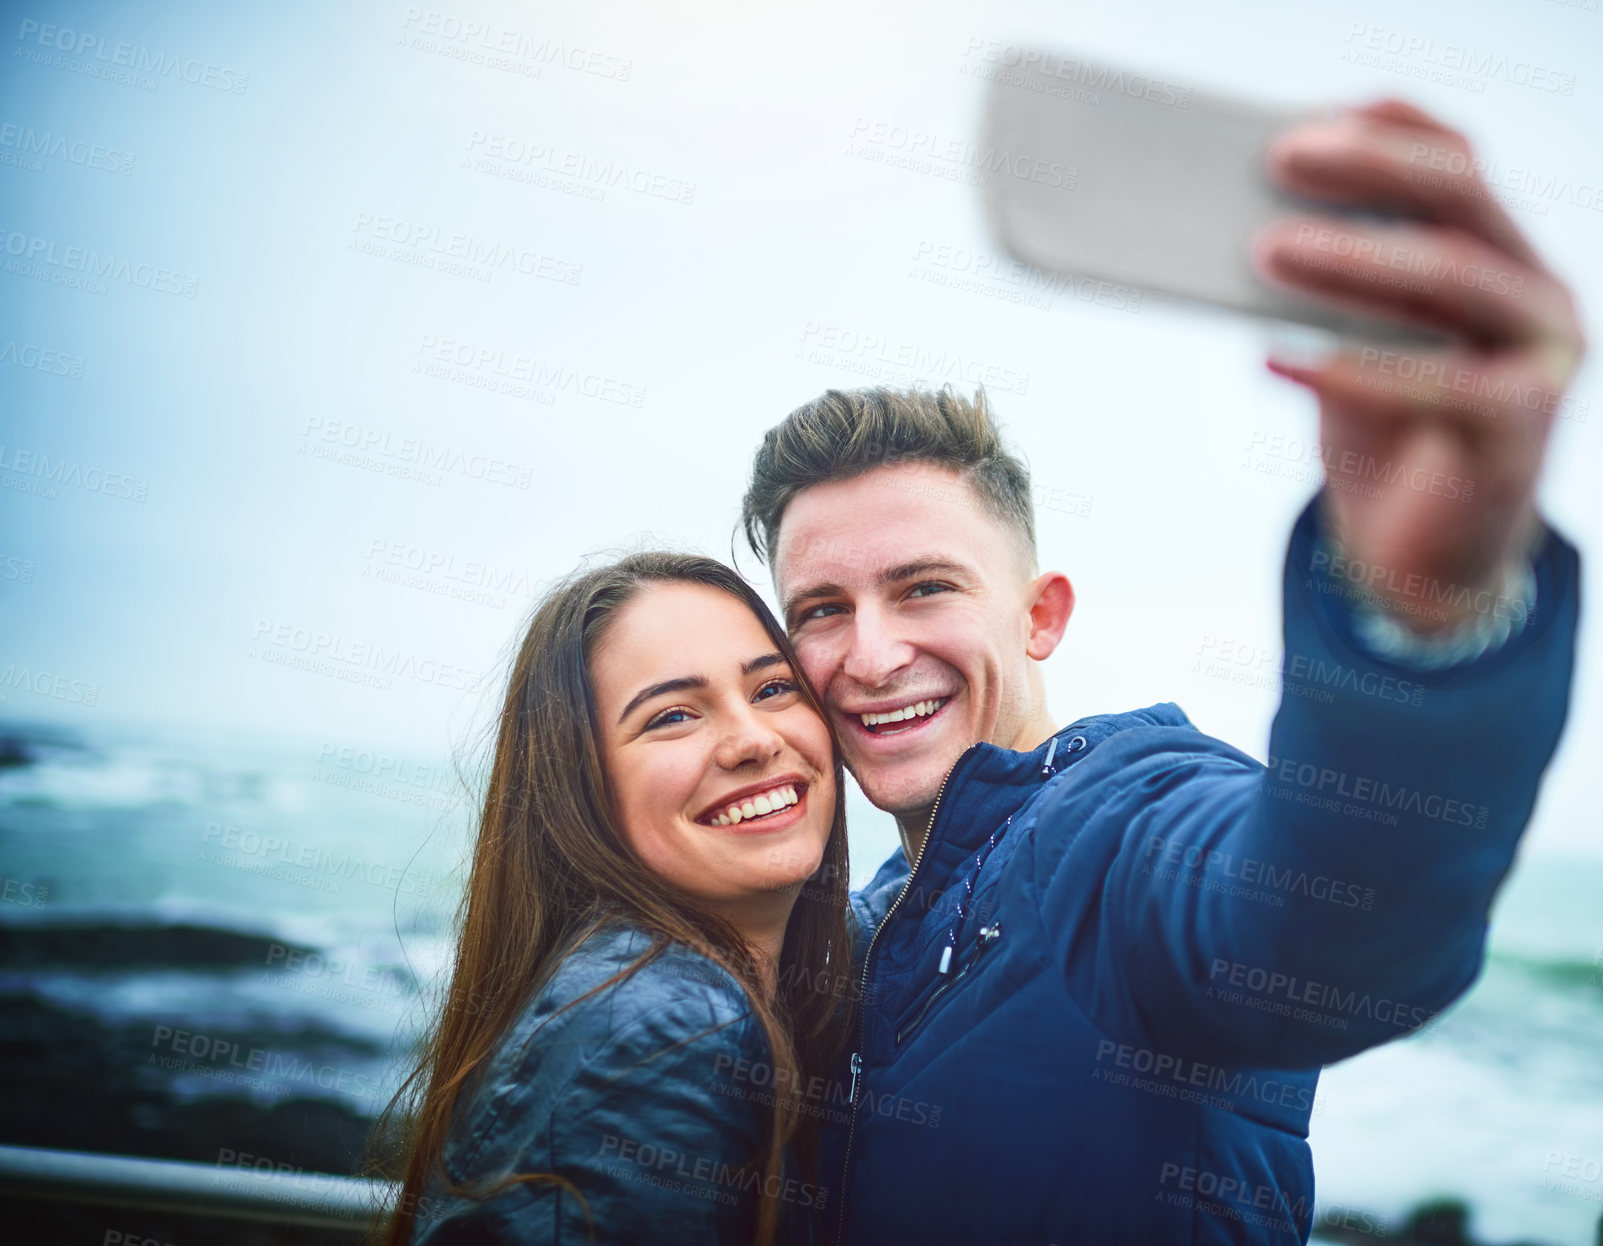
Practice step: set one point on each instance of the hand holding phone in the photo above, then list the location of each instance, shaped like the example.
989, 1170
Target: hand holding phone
1169, 190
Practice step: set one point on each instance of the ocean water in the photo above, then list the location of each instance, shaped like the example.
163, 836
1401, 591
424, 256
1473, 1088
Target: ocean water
1500, 1102
264, 921
306, 893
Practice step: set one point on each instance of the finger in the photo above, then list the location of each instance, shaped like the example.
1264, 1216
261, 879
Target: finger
1432, 277
1301, 373
1451, 477
1484, 396
1390, 108
1382, 157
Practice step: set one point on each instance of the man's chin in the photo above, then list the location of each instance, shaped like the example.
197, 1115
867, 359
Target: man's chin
901, 791
901, 771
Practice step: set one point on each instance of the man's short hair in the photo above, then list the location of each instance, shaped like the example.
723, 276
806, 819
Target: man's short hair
847, 432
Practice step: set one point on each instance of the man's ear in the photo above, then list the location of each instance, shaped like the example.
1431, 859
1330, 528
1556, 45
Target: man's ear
1051, 599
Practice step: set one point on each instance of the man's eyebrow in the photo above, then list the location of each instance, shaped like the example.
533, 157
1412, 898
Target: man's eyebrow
815, 593
891, 575
687, 682
923, 566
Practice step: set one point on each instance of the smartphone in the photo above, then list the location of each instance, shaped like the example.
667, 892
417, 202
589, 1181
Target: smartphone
1141, 181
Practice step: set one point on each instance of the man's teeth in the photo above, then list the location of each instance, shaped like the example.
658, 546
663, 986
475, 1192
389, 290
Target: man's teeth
919, 709
755, 806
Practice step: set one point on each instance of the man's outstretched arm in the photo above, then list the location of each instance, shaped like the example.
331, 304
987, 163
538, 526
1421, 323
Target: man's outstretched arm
1294, 915
1302, 914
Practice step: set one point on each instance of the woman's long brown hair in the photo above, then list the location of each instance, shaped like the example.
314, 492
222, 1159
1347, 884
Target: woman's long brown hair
550, 863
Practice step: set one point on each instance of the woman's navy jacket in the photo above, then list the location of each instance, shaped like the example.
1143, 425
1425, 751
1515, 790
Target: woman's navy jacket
648, 1098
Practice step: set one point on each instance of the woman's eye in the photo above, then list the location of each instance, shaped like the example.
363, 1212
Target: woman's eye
669, 718
775, 687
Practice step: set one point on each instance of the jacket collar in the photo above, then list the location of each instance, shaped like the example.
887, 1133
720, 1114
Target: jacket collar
989, 784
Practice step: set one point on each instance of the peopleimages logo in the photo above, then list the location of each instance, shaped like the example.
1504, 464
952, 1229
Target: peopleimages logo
1326, 788
28, 250
471, 572
1410, 259
1013, 281
1453, 64
1278, 993
1045, 64
431, 30
133, 56
318, 858
886, 359
500, 371
381, 450
40, 359
921, 146
34, 145
42, 682
1232, 1083
47, 472
711, 1175
543, 164
329, 653
1231, 1196
226, 1060
436, 243
1442, 167
1252, 870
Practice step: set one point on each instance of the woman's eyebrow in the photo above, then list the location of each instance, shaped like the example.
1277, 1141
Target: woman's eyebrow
762, 663
668, 685
687, 682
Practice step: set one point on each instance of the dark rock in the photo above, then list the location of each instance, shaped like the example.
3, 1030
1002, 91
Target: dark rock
108, 946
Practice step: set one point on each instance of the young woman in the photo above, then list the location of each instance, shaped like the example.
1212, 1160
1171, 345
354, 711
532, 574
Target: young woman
655, 913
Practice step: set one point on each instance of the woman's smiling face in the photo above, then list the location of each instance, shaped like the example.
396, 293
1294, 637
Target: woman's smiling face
721, 771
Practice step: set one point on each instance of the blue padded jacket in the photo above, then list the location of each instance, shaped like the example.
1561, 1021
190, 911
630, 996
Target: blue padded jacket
1152, 941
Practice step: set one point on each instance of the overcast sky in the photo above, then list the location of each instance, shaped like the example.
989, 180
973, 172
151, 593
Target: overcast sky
286, 187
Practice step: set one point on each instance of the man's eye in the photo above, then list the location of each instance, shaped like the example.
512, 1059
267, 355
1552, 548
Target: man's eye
933, 586
776, 687
819, 612
669, 718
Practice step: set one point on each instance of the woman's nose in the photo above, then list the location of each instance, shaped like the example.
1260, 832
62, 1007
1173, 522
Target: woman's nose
745, 737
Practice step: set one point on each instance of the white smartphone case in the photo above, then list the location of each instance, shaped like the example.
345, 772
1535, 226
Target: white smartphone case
1101, 172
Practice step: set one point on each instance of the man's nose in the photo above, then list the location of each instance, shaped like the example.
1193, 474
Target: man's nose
874, 652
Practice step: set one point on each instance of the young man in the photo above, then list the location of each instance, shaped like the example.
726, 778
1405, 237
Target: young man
1101, 974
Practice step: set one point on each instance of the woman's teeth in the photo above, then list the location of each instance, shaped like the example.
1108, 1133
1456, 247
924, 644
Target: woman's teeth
765, 803
919, 709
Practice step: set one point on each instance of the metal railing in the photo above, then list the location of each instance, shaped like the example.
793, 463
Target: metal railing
316, 1199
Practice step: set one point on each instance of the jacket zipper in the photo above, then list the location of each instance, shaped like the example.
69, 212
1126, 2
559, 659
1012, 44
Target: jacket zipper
868, 964
988, 936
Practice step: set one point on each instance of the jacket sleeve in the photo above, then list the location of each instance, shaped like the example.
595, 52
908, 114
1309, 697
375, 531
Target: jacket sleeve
1212, 908
651, 1138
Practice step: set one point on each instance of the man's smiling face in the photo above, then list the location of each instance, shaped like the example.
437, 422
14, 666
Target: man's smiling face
910, 607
